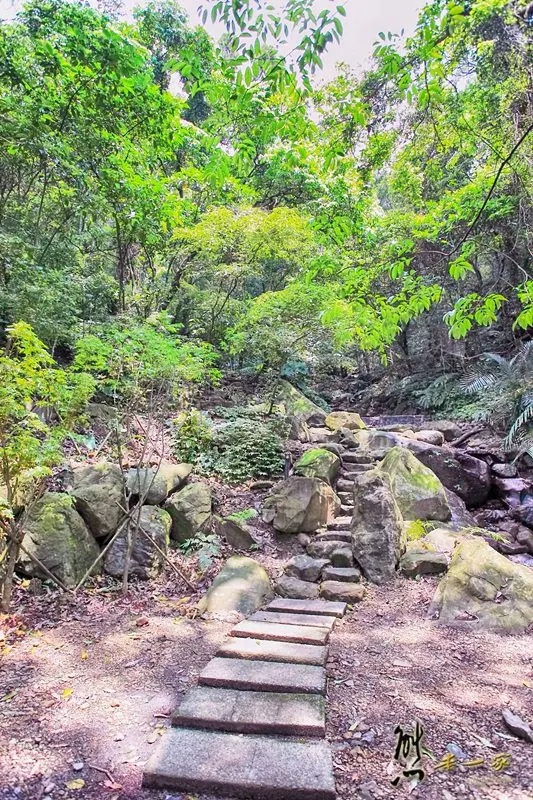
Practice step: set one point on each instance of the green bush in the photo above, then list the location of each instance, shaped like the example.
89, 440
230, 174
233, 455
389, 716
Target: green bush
192, 435
244, 449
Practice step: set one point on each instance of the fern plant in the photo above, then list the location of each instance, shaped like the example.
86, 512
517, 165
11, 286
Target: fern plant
504, 389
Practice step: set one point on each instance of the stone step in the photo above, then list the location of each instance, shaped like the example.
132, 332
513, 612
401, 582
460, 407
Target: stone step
226, 764
346, 499
334, 536
278, 632
342, 590
266, 713
354, 471
349, 574
307, 607
344, 485
340, 523
264, 676
261, 650
346, 510
314, 620
353, 457
342, 557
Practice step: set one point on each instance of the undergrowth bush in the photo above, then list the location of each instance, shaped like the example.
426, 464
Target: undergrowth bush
244, 449
192, 435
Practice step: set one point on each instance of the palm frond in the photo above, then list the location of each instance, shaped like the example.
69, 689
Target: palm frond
519, 422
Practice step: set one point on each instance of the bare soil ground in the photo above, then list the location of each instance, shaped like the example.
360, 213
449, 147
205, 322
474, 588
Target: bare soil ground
88, 685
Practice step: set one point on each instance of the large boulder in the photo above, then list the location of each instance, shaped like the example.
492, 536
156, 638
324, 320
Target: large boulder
236, 533
484, 589
190, 509
99, 496
157, 484
377, 527
318, 463
423, 562
376, 444
344, 419
450, 430
465, 475
241, 586
301, 505
57, 535
296, 404
416, 489
146, 560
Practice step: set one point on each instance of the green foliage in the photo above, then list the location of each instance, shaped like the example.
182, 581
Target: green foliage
244, 515
192, 435
205, 545
244, 449
129, 360
39, 405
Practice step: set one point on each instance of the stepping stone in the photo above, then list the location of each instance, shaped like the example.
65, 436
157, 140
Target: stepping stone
346, 498
324, 547
307, 607
357, 458
349, 574
277, 632
340, 523
288, 586
344, 485
317, 620
305, 568
334, 536
353, 471
260, 650
339, 590
209, 762
268, 713
263, 676
342, 557
347, 510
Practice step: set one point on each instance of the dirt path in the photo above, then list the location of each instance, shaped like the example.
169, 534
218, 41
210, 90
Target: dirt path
95, 683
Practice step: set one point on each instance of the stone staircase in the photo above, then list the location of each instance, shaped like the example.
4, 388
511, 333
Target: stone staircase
329, 560
254, 726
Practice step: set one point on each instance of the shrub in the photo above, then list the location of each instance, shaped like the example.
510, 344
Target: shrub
244, 449
192, 435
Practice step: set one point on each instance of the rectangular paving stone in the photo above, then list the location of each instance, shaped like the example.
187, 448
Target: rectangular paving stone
236, 711
227, 764
307, 606
260, 650
334, 535
265, 676
314, 620
340, 524
277, 632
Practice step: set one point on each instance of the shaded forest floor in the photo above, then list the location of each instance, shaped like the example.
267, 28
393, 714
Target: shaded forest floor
91, 683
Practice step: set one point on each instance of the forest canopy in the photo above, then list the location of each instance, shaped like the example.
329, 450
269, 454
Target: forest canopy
220, 204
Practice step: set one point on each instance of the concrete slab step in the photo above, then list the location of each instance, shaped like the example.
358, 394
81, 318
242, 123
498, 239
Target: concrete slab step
340, 523
209, 762
236, 711
260, 650
263, 676
279, 632
314, 620
307, 606
334, 536
349, 574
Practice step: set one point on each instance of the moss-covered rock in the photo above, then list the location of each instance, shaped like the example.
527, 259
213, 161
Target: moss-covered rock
296, 404
301, 505
241, 586
146, 560
57, 535
157, 484
423, 562
190, 509
318, 463
344, 419
484, 589
99, 495
417, 490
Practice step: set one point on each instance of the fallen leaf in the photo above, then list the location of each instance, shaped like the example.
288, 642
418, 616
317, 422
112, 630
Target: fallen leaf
141, 622
152, 737
7, 698
66, 693
84, 655
77, 783
113, 786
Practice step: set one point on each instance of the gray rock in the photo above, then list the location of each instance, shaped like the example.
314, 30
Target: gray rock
288, 586
465, 475
377, 528
157, 484
304, 539
348, 574
449, 429
323, 548
416, 489
342, 557
517, 725
524, 513
99, 494
236, 532
305, 567
301, 505
146, 561
340, 590
524, 537
241, 586
504, 470
318, 463
423, 562
190, 509
297, 404
430, 437
57, 535
299, 430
